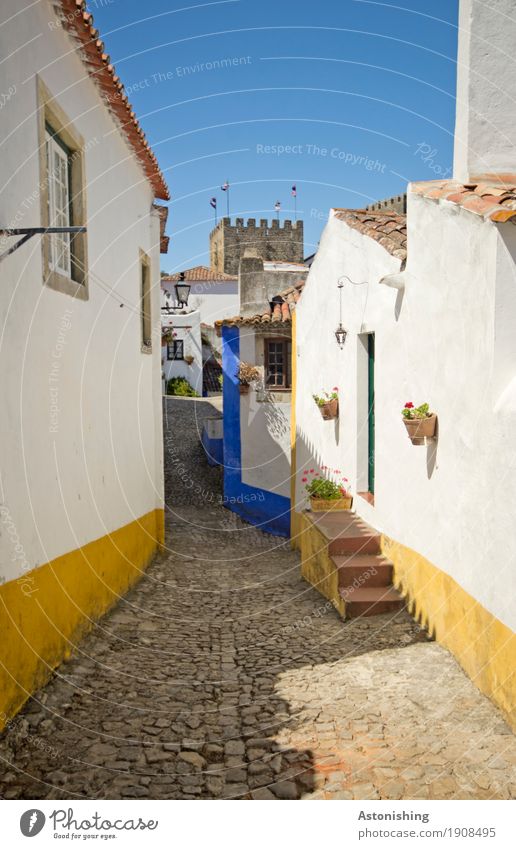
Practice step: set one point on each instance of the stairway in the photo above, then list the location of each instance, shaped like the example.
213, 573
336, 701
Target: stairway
351, 550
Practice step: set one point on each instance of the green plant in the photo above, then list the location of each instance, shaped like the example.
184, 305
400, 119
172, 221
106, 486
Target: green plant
326, 397
180, 386
247, 373
221, 378
320, 487
411, 412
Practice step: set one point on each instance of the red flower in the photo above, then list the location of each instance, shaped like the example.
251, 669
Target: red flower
409, 405
335, 388
312, 471
304, 480
337, 471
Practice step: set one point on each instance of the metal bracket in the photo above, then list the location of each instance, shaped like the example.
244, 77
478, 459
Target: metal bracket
28, 232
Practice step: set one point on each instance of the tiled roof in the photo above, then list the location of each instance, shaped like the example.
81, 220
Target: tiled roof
78, 22
279, 311
387, 227
494, 198
163, 238
198, 272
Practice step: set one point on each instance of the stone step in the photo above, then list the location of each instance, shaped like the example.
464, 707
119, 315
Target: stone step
367, 570
370, 601
346, 533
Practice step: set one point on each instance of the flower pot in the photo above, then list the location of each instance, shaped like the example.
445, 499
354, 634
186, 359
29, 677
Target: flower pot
243, 388
326, 505
418, 429
330, 410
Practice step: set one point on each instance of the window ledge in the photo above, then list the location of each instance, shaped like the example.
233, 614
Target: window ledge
367, 496
60, 283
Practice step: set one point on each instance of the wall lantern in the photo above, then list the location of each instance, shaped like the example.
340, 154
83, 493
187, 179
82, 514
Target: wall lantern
340, 335
182, 290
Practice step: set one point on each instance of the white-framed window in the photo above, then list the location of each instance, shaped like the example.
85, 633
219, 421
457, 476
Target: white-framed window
59, 203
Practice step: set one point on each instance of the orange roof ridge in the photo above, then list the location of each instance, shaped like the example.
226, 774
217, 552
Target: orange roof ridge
78, 22
492, 196
387, 227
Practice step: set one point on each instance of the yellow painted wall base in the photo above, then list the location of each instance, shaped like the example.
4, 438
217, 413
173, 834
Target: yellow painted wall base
317, 567
484, 646
45, 614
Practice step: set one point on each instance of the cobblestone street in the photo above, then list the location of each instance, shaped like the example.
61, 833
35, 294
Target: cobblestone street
224, 675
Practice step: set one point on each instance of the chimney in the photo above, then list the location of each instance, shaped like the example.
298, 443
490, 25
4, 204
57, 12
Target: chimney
253, 292
485, 125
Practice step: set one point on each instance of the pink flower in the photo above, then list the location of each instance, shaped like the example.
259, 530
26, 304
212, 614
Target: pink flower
312, 471
335, 389
304, 480
337, 471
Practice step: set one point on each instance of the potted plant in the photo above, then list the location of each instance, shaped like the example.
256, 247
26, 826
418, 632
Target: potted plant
419, 421
328, 403
189, 359
325, 494
246, 375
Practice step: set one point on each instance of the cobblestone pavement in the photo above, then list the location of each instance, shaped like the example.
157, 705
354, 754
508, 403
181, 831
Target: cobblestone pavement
223, 675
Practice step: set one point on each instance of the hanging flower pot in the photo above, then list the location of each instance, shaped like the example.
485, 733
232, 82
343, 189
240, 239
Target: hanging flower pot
189, 359
246, 374
419, 422
328, 404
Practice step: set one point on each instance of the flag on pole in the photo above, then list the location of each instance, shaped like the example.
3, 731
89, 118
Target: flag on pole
225, 188
277, 206
213, 203
294, 192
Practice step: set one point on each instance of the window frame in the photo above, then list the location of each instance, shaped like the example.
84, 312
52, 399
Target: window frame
285, 341
53, 122
175, 343
145, 282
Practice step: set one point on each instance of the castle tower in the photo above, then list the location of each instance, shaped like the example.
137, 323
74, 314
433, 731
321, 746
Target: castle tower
270, 241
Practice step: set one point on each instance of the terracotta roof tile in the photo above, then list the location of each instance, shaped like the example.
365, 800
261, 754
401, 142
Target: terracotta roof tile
198, 272
78, 22
387, 227
279, 312
492, 196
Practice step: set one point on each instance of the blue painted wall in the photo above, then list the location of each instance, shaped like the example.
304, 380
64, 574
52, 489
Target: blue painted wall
266, 510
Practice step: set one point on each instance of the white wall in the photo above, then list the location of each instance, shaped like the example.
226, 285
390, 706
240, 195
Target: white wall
486, 89
450, 501
213, 299
188, 328
84, 453
264, 426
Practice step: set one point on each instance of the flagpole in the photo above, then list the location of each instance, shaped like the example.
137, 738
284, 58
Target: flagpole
295, 206
227, 199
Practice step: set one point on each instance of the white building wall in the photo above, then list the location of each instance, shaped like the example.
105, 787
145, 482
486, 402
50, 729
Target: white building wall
264, 426
446, 340
213, 299
88, 458
187, 328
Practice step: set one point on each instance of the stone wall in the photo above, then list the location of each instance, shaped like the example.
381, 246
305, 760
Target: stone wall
270, 241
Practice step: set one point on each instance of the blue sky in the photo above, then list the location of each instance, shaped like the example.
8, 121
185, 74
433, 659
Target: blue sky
359, 94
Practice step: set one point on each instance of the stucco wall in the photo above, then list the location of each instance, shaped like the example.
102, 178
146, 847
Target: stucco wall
212, 298
81, 408
446, 340
187, 328
264, 426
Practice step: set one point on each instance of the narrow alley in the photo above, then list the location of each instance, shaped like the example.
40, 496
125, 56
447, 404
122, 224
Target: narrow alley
222, 674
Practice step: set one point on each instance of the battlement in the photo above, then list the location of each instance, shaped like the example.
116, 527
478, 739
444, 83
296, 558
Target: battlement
272, 240
264, 225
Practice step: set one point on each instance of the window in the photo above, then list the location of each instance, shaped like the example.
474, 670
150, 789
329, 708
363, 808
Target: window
277, 363
145, 302
62, 191
59, 202
175, 350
